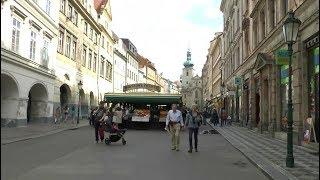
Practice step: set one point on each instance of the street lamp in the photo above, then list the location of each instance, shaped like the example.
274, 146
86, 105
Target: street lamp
290, 32
79, 87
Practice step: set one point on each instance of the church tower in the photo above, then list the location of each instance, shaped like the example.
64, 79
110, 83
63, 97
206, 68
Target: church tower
186, 80
187, 72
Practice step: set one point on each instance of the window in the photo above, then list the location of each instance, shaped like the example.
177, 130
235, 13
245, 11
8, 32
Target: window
284, 7
63, 6
33, 40
89, 9
61, 41
95, 38
85, 3
91, 33
74, 48
44, 53
109, 71
102, 41
68, 45
255, 36
108, 51
15, 35
75, 17
187, 73
272, 13
85, 28
48, 7
84, 56
102, 67
90, 59
94, 66
263, 25
70, 10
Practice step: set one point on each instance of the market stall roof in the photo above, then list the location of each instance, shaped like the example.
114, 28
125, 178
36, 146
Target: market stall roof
142, 98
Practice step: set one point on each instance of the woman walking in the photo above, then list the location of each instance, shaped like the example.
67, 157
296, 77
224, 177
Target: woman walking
193, 121
214, 117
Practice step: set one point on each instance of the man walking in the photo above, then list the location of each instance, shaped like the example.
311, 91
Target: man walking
175, 123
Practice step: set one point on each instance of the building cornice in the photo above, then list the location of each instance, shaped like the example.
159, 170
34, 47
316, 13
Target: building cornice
16, 59
120, 55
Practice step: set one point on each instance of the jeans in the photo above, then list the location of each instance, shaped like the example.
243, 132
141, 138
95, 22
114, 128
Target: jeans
193, 131
96, 130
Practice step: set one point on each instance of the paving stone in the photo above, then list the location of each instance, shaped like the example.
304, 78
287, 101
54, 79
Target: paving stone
273, 151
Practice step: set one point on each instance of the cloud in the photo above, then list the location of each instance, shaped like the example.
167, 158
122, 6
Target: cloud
162, 30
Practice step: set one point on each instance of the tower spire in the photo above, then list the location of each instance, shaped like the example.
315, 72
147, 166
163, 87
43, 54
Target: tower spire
188, 62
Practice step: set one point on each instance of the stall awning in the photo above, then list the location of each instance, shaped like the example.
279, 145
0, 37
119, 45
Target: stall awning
143, 98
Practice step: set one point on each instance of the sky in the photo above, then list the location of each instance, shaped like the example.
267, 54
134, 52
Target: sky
163, 30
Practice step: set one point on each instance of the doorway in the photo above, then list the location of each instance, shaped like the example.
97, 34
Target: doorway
257, 108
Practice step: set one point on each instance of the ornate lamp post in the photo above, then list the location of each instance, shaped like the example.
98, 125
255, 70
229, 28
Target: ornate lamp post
79, 87
290, 32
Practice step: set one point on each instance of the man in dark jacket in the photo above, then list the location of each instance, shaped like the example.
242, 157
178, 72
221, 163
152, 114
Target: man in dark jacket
214, 117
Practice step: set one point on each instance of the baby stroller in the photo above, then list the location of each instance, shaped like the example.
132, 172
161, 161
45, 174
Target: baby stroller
114, 133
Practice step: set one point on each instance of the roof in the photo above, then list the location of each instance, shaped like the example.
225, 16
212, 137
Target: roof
143, 98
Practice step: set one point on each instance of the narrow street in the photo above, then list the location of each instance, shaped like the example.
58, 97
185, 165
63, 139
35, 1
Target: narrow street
73, 154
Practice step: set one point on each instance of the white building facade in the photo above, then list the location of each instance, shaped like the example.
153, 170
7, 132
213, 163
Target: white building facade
28, 54
120, 66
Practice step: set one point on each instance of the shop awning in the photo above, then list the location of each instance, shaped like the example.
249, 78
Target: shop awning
143, 98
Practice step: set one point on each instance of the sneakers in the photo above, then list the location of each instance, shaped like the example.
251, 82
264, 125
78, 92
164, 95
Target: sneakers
173, 148
196, 150
190, 151
177, 149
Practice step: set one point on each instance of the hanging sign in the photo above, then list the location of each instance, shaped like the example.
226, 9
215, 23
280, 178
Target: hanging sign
237, 80
282, 57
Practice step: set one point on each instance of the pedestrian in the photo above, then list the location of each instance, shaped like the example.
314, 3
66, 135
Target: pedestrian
91, 117
204, 116
214, 117
223, 117
57, 115
117, 116
66, 113
229, 121
193, 122
184, 114
174, 122
73, 114
99, 116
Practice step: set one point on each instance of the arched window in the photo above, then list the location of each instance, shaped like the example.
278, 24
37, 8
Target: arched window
196, 94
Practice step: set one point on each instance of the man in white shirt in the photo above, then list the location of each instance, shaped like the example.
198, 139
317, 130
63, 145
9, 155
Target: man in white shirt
175, 122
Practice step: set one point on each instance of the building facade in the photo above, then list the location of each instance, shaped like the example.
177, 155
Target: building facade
132, 72
211, 72
84, 55
28, 54
252, 42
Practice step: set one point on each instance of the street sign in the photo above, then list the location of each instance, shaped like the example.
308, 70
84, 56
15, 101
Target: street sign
282, 57
237, 80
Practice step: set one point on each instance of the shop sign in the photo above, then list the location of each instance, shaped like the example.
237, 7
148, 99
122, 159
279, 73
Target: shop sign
282, 57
